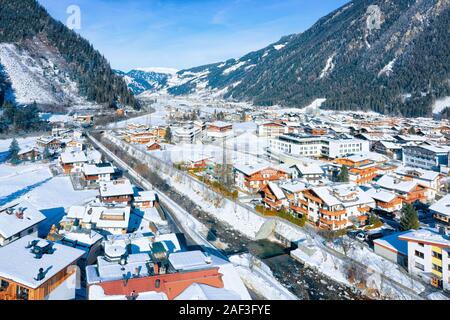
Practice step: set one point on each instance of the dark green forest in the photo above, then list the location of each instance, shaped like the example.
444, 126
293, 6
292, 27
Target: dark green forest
25, 19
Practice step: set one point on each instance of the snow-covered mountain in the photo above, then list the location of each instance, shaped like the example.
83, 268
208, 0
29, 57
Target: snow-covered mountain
389, 56
43, 61
140, 80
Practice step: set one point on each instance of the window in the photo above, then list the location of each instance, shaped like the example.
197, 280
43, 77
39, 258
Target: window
22, 293
157, 283
420, 244
437, 268
437, 255
419, 254
419, 266
5, 284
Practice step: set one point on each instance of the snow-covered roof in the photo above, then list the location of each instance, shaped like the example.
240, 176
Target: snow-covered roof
294, 186
279, 194
391, 145
249, 169
381, 194
20, 265
393, 242
417, 173
392, 183
93, 169
347, 195
442, 206
11, 224
198, 291
73, 157
309, 168
426, 235
116, 188
142, 196
220, 124
189, 260
96, 215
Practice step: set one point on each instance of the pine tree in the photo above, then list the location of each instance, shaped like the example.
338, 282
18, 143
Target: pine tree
14, 152
409, 219
47, 155
168, 135
343, 175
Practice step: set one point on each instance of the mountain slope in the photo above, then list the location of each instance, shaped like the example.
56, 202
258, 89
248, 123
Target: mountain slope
43, 52
151, 79
390, 56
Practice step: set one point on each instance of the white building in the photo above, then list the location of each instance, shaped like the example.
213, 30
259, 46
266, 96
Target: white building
426, 157
17, 221
317, 146
429, 256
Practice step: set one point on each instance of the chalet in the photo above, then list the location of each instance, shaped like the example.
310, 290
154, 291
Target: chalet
362, 169
253, 178
386, 200
84, 118
144, 199
431, 180
30, 154
391, 149
410, 191
50, 143
17, 221
96, 173
152, 146
219, 129
116, 192
441, 213
271, 129
274, 196
36, 269
338, 207
74, 145
308, 171
293, 190
104, 219
72, 162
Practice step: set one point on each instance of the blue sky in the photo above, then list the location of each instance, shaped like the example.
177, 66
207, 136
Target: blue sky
187, 33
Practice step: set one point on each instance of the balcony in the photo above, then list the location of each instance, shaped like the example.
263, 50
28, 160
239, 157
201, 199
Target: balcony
333, 213
299, 209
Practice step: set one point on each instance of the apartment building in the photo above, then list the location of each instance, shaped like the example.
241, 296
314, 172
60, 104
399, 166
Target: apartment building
338, 207
426, 156
362, 169
317, 146
253, 178
429, 256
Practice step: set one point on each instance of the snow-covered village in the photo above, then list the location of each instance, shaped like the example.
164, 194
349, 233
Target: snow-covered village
182, 191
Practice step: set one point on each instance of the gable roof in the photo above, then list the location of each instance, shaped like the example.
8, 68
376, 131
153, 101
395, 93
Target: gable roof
10, 224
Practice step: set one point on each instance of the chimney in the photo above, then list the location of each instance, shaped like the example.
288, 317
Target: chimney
19, 213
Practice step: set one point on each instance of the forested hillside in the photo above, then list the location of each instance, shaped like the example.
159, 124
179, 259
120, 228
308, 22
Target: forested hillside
28, 26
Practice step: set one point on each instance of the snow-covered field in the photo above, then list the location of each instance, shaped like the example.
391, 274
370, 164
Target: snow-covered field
441, 104
34, 182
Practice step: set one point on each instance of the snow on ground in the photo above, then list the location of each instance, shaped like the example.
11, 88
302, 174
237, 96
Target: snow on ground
382, 266
437, 296
329, 66
33, 181
279, 46
36, 79
258, 276
441, 104
388, 69
234, 67
23, 143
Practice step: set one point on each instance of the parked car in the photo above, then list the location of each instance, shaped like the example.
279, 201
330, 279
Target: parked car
360, 236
